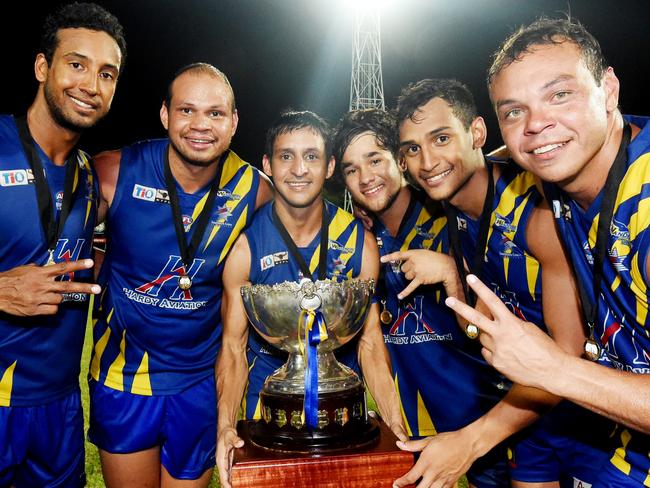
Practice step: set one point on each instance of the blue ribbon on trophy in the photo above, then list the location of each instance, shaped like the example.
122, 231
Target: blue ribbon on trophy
315, 332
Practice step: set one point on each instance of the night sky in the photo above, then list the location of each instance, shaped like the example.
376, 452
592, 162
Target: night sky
297, 53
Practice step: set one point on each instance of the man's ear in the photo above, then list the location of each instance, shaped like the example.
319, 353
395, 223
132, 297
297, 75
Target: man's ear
331, 165
41, 68
266, 165
479, 132
164, 116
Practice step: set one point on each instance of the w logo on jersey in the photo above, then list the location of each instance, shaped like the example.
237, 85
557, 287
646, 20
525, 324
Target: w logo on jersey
64, 252
168, 277
409, 317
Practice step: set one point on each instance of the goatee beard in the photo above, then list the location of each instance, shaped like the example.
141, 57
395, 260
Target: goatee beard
58, 115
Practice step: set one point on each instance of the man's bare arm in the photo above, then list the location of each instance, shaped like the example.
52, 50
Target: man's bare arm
265, 192
525, 354
107, 166
373, 355
232, 366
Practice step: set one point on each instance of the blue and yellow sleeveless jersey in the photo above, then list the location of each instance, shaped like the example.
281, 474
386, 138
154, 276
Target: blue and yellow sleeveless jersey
151, 337
40, 356
512, 273
434, 364
272, 263
623, 324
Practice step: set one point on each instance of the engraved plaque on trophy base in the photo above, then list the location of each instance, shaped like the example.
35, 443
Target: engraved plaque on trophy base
343, 423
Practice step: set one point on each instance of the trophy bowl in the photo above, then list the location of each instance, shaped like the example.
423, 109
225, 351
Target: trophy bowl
312, 403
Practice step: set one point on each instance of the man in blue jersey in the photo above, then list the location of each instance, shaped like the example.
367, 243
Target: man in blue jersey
556, 100
298, 159
47, 210
506, 233
435, 364
173, 208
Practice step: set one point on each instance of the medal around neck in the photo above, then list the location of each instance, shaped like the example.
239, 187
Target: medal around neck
472, 331
184, 282
385, 316
592, 349
312, 403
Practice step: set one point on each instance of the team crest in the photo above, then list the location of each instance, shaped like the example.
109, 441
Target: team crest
187, 222
222, 215
420, 231
509, 249
617, 261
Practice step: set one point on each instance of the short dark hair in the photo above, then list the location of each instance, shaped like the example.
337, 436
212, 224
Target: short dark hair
455, 93
291, 120
200, 68
80, 16
380, 123
547, 31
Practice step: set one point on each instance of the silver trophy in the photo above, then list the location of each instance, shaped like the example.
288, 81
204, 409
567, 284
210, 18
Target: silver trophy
312, 403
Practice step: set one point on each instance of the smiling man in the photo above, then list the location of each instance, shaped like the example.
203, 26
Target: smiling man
435, 364
173, 209
506, 234
298, 159
48, 198
556, 100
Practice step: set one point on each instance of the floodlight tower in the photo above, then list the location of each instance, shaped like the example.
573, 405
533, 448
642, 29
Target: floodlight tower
367, 85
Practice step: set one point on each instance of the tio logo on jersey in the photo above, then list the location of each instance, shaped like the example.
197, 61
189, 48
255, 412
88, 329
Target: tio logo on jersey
16, 177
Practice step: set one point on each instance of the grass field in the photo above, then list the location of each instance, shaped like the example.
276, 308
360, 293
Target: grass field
93, 467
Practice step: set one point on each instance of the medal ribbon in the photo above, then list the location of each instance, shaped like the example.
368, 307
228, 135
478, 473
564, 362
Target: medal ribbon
315, 333
307, 318
454, 239
293, 249
52, 227
614, 178
189, 251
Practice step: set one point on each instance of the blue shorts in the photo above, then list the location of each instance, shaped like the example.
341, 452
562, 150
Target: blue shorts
611, 477
43, 445
569, 444
491, 470
183, 425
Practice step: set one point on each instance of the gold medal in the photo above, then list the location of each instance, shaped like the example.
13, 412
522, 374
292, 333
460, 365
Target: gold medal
472, 331
385, 316
184, 282
592, 349
50, 259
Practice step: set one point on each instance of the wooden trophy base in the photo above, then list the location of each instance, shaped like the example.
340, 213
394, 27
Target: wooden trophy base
377, 466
